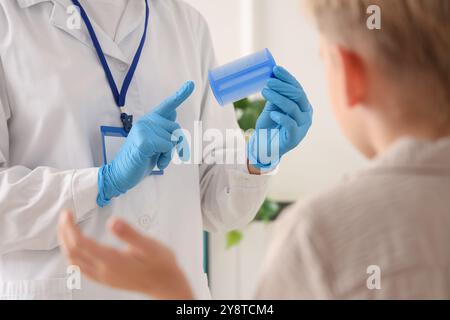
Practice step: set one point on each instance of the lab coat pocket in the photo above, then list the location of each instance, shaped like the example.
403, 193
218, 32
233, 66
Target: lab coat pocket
45, 289
140, 206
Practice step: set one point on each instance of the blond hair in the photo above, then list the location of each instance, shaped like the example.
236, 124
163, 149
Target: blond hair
414, 38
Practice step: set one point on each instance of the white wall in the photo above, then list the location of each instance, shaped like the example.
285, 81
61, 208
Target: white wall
224, 19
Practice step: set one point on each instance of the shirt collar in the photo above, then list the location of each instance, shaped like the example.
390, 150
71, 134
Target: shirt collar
29, 3
131, 21
414, 153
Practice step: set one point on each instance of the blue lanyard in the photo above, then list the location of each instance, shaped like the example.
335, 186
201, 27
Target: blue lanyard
119, 97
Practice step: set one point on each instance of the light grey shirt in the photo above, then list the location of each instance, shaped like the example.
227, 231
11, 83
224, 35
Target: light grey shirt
387, 226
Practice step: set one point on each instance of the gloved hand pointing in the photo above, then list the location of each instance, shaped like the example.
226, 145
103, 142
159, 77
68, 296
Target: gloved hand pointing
149, 143
284, 122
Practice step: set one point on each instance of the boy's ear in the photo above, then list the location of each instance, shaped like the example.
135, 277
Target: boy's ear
354, 77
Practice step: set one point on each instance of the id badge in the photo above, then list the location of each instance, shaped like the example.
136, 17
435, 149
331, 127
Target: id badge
112, 140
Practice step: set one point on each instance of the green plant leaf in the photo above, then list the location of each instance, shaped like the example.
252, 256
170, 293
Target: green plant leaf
248, 119
250, 111
268, 211
241, 104
234, 238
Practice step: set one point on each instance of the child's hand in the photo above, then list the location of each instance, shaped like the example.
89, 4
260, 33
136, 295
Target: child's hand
146, 265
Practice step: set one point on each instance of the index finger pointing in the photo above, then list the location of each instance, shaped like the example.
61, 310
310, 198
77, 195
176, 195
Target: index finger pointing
168, 106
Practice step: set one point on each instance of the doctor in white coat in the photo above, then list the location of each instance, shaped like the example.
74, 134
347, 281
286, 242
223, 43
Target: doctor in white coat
54, 97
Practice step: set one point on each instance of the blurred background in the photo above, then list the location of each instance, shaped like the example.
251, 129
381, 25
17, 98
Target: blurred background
240, 27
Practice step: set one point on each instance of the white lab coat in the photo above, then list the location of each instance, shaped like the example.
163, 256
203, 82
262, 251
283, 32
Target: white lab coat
54, 97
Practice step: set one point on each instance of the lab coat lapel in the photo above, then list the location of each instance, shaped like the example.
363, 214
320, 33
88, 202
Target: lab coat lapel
29, 3
59, 19
132, 19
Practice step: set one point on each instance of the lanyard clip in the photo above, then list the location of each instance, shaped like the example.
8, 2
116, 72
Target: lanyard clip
127, 121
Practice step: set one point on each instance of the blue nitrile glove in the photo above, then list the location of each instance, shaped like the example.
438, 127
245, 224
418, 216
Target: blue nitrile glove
149, 143
284, 122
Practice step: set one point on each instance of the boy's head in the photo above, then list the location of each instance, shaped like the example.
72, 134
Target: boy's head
389, 82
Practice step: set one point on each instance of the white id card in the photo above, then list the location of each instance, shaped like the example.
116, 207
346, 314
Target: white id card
112, 140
